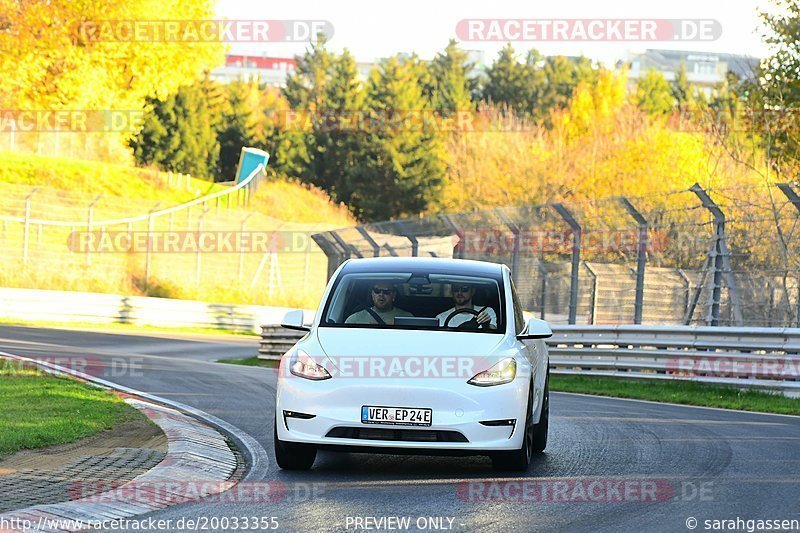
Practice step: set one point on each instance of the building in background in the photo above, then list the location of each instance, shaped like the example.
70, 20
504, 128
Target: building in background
275, 70
270, 70
705, 70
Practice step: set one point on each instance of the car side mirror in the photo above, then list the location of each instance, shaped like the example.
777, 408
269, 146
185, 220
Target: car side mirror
294, 320
536, 329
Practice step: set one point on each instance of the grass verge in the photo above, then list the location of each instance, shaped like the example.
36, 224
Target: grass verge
39, 411
253, 361
681, 392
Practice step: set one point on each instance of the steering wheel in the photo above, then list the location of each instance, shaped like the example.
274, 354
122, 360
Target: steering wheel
469, 324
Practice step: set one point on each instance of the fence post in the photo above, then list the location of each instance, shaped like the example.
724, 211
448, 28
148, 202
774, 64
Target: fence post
687, 295
306, 261
26, 228
376, 249
787, 190
198, 260
331, 251
89, 220
543, 288
576, 259
458, 249
641, 257
595, 291
412, 238
346, 248
241, 247
515, 247
149, 245
719, 260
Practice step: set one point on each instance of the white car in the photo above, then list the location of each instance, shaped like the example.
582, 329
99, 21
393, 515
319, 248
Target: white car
415, 355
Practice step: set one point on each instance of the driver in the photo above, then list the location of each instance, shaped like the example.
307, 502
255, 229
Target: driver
383, 296
462, 298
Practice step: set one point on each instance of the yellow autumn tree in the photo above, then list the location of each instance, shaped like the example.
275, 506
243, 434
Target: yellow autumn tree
50, 60
601, 145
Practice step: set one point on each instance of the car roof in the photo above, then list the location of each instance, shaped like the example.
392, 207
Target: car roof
430, 265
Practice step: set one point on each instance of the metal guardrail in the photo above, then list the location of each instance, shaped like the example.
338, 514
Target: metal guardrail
763, 358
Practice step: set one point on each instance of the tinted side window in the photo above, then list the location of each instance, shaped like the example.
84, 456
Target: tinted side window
519, 318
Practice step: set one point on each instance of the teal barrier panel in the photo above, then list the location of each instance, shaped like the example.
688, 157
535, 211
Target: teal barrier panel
249, 160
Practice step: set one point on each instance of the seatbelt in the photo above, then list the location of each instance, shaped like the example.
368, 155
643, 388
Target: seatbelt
375, 315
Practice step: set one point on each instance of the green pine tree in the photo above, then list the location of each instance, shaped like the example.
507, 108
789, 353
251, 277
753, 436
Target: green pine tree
305, 88
178, 133
682, 90
401, 169
653, 94
508, 83
451, 88
339, 138
305, 93
239, 129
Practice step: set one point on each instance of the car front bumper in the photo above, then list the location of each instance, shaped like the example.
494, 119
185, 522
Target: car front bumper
457, 407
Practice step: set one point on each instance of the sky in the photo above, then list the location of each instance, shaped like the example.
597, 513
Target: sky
379, 28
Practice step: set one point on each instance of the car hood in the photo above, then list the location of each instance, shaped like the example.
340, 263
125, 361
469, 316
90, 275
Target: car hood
338, 342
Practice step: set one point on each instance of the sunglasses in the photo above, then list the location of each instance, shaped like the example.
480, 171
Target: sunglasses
461, 288
387, 292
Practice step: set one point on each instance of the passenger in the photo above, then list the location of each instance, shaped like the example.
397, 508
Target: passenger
383, 310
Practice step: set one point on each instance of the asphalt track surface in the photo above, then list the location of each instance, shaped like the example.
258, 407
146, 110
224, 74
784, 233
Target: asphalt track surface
610, 465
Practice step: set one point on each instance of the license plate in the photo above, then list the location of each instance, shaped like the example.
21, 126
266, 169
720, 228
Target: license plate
397, 416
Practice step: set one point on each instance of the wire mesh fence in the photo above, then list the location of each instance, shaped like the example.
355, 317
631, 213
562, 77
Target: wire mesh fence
212, 248
695, 257
724, 256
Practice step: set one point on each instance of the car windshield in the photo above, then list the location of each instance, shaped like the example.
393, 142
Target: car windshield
406, 300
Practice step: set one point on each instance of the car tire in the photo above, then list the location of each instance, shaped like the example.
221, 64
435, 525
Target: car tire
540, 429
291, 455
520, 459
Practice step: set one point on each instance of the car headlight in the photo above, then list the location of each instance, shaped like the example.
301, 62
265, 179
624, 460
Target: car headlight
302, 365
502, 372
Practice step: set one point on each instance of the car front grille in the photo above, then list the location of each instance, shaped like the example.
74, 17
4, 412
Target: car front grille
396, 434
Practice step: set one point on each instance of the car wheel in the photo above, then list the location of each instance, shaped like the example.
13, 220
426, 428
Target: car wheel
291, 455
519, 459
540, 429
